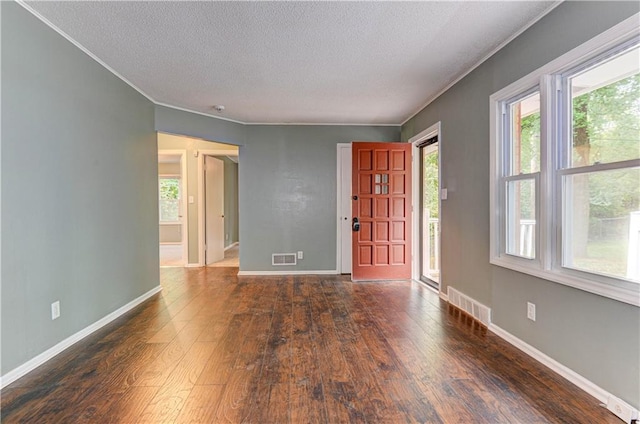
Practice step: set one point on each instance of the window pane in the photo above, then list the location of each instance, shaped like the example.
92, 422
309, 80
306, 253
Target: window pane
524, 118
169, 199
521, 218
602, 222
606, 111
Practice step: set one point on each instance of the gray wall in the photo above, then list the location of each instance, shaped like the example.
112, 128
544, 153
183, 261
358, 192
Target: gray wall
174, 121
79, 189
288, 192
596, 337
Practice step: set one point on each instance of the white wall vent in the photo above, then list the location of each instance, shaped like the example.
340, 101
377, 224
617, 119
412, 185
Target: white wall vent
283, 259
472, 307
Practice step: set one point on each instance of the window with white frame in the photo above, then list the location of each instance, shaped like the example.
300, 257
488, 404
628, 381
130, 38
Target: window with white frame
565, 170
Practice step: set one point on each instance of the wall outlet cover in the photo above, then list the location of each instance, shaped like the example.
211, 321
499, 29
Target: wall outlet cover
55, 310
531, 311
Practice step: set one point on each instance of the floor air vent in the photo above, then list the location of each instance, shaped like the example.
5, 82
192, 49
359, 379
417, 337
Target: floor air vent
469, 305
283, 259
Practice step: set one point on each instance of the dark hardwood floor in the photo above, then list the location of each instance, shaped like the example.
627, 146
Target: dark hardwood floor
214, 348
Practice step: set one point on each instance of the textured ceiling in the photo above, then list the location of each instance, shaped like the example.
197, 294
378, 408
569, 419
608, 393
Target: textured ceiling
292, 62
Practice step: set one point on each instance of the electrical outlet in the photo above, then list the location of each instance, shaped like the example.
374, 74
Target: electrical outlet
55, 310
622, 410
226, 236
300, 254
531, 311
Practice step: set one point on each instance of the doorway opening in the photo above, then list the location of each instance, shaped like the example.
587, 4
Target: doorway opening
192, 152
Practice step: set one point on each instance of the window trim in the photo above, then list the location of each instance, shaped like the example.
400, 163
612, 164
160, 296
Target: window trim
549, 79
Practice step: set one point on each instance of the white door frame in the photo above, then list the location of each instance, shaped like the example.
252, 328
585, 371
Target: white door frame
341, 147
201, 209
184, 206
432, 131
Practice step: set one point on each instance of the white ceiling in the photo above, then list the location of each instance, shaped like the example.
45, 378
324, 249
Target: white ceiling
292, 62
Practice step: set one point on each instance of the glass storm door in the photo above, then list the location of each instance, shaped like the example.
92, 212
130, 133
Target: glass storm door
430, 215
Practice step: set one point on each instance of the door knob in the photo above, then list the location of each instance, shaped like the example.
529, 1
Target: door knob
356, 225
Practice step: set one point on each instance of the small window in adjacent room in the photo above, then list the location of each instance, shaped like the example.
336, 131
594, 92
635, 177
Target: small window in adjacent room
565, 169
169, 191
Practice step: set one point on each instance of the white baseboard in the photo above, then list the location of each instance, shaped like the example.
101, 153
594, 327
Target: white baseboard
32, 364
231, 246
580, 381
196, 265
310, 272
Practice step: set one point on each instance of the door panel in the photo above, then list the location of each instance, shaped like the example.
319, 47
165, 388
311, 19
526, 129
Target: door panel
214, 209
381, 186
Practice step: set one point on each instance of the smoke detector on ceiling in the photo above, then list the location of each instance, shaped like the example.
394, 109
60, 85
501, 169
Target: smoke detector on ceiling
218, 108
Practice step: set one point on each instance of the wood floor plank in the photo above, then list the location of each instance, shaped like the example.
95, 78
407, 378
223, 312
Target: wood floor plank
167, 333
307, 391
128, 407
278, 408
156, 372
213, 347
221, 362
235, 403
201, 405
277, 360
411, 402
342, 403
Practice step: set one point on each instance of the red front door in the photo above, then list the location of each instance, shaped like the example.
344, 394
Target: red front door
381, 205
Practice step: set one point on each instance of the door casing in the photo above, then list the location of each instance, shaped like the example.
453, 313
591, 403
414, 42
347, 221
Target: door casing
343, 237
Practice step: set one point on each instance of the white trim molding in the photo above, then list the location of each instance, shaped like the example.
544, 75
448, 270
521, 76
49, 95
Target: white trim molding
33, 363
303, 272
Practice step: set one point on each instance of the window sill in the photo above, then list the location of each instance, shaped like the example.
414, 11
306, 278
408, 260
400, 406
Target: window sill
622, 291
